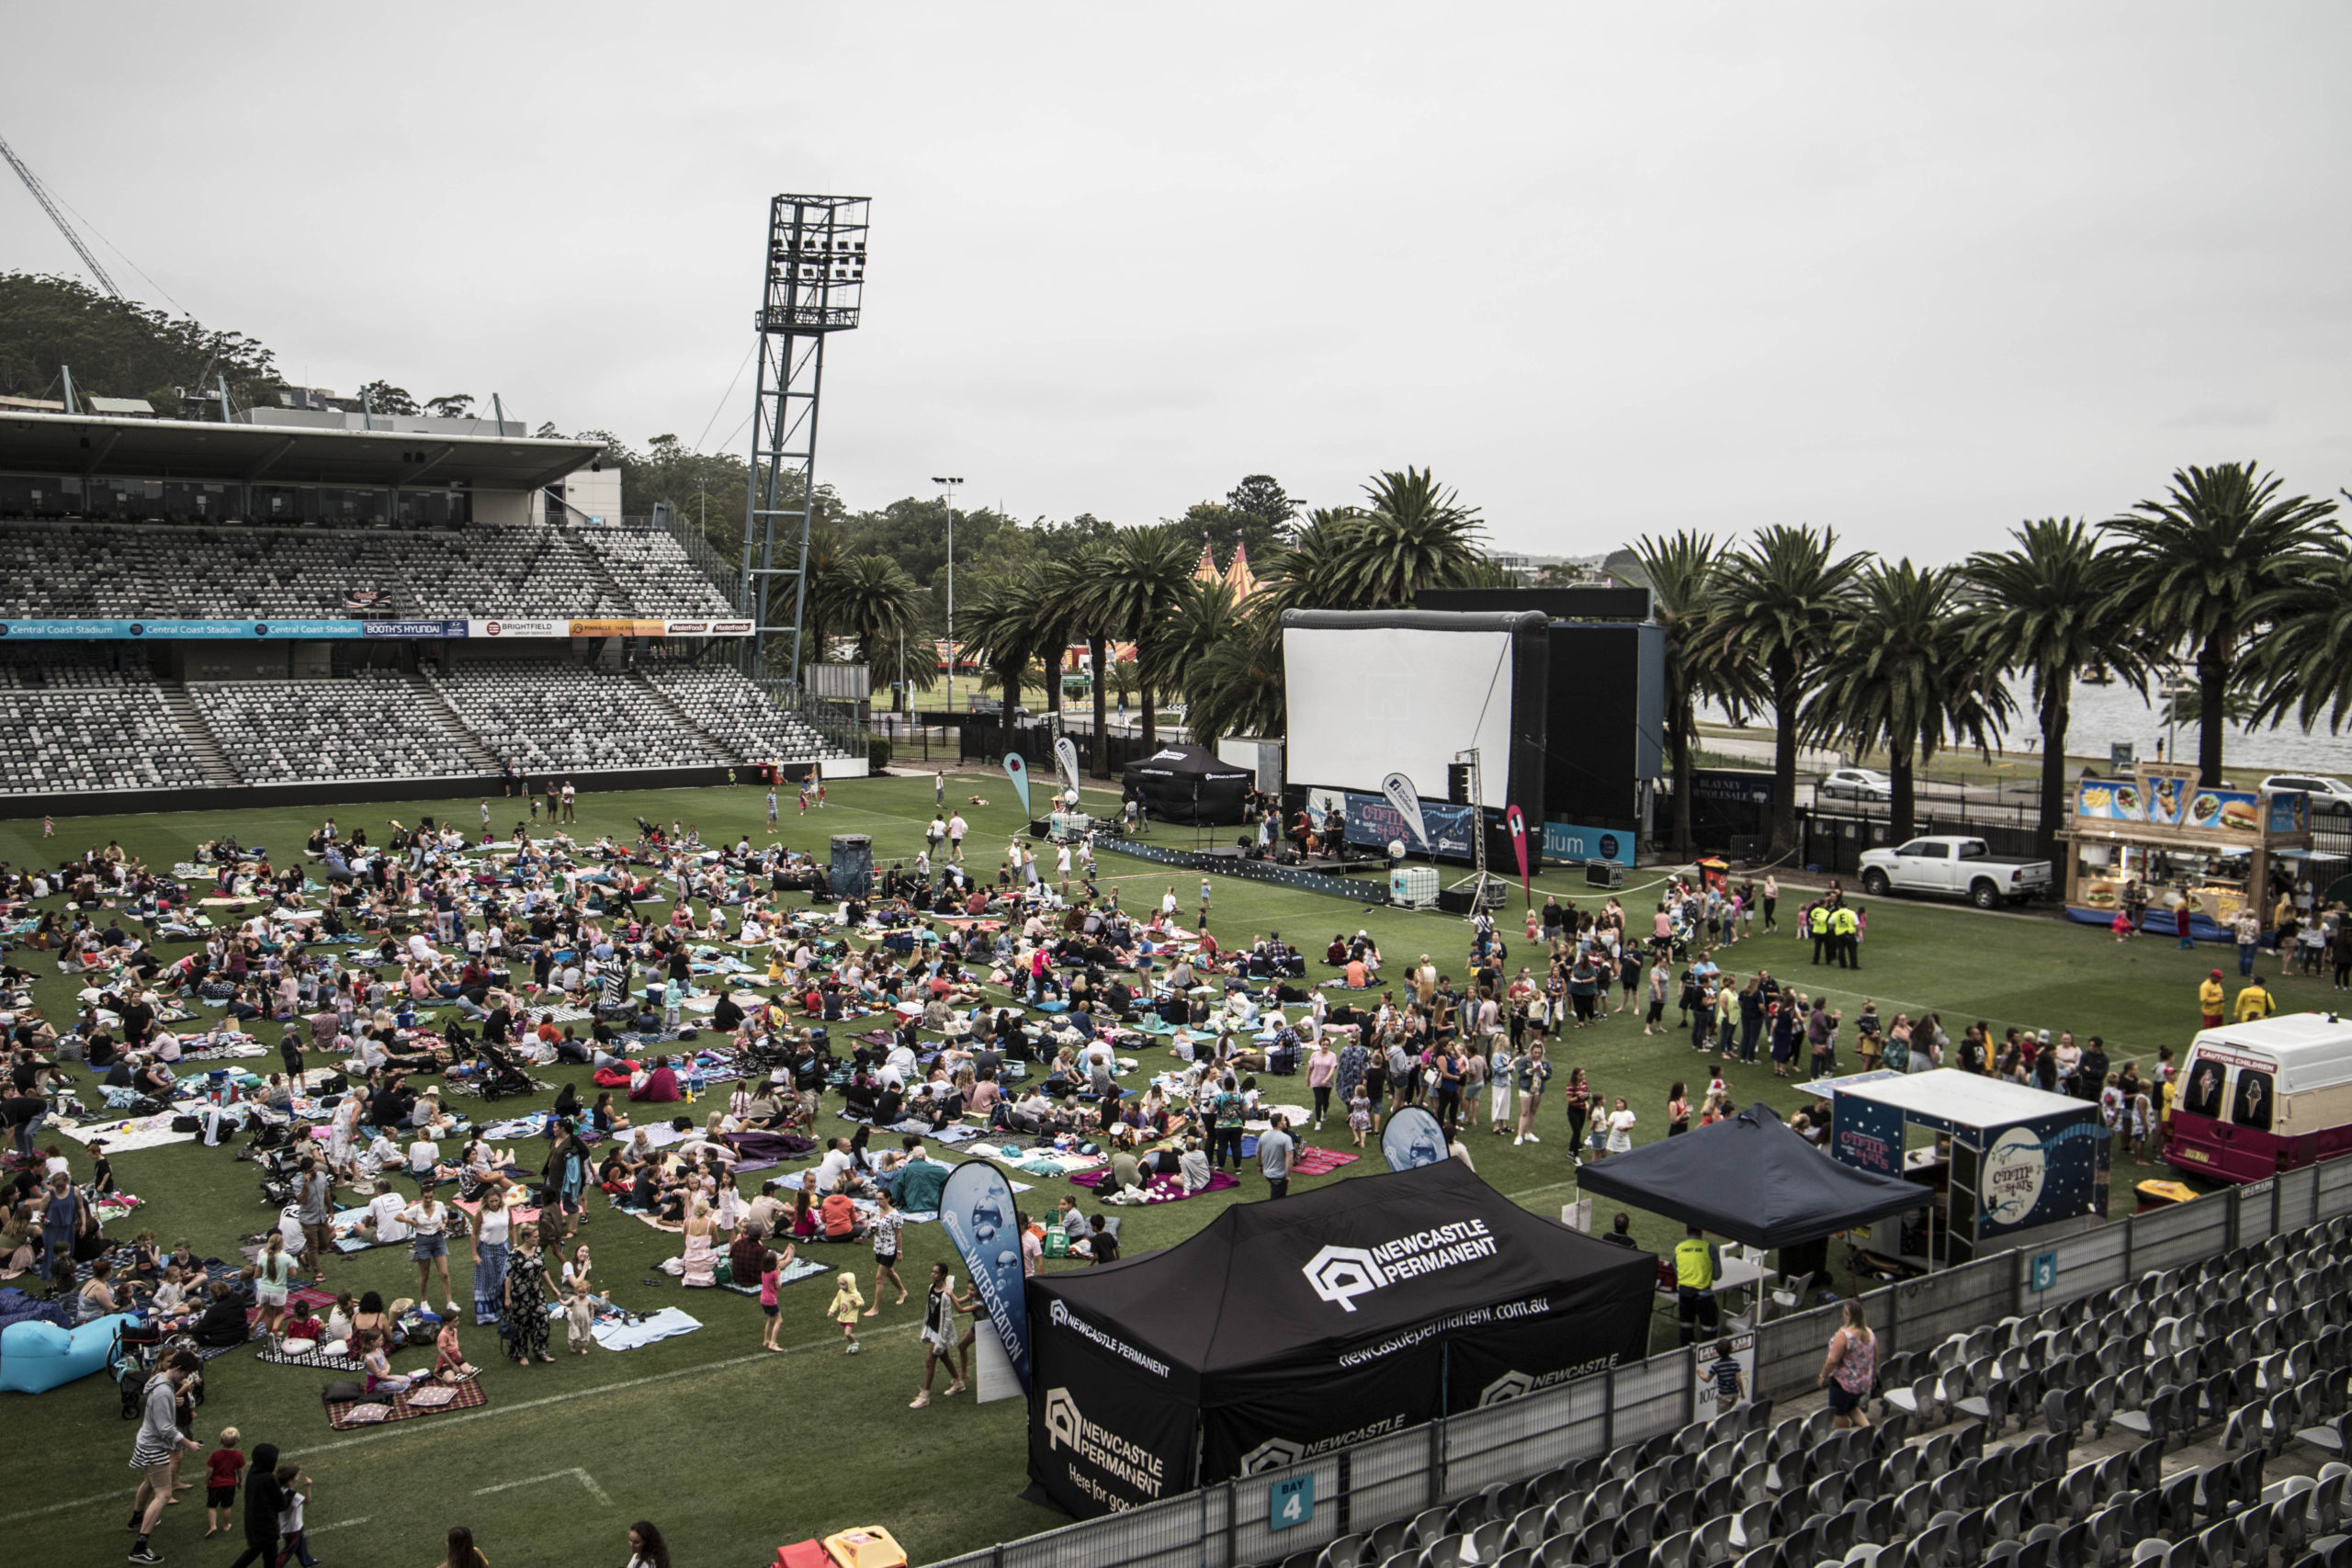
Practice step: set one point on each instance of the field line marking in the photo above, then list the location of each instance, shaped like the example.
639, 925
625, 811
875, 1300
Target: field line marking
122, 1493
342, 1524
578, 1474
565, 1398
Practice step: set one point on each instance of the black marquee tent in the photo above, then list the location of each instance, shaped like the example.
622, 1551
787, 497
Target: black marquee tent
1187, 786
1295, 1326
1753, 1179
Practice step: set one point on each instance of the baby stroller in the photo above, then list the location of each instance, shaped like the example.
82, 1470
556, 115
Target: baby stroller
138, 1348
500, 1076
281, 1168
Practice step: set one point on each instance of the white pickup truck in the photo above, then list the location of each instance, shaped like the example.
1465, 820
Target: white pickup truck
1955, 867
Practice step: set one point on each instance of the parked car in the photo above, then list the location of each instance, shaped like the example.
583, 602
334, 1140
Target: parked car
2327, 794
1954, 866
1856, 784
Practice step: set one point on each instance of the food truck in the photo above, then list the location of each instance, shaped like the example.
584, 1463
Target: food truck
2258, 1097
2155, 837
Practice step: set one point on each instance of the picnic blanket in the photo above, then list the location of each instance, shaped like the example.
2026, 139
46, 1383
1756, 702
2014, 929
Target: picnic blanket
465, 1395
792, 1273
318, 1360
667, 1323
1320, 1162
1161, 1188
122, 1137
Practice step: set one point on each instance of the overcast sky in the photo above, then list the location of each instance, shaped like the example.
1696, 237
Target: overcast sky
1607, 269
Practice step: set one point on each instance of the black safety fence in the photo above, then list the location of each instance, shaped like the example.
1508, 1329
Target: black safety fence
1398, 1475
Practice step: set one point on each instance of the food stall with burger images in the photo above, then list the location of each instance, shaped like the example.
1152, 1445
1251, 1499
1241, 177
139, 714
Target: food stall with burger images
2154, 837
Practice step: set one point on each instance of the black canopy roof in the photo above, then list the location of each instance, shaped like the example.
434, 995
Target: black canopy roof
1189, 784
1267, 1287
1751, 1179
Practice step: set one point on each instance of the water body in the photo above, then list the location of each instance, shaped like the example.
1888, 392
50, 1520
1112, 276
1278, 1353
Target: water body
2100, 716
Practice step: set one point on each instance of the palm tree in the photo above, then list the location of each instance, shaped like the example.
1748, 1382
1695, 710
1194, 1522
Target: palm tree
871, 598
1067, 593
1203, 616
2303, 662
1779, 602
1682, 571
1236, 687
1415, 536
1004, 620
1060, 583
1901, 675
1136, 590
1310, 572
2046, 609
2196, 563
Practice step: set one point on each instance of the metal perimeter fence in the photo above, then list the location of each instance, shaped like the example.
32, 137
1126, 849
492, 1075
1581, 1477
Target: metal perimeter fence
1228, 1524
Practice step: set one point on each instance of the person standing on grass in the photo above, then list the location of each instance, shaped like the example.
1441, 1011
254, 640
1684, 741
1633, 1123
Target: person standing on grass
294, 1487
1577, 1099
888, 1224
2210, 1000
1621, 1128
428, 1224
2247, 929
221, 1466
646, 1547
1534, 1072
1275, 1152
1322, 1067
462, 1552
938, 1337
264, 1501
844, 1308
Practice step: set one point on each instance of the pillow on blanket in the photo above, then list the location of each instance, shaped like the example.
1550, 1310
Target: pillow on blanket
432, 1398
360, 1415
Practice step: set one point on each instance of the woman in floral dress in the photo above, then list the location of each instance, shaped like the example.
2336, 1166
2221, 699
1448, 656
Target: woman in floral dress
524, 1325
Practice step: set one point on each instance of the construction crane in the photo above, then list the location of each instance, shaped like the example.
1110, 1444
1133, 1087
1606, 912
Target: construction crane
32, 184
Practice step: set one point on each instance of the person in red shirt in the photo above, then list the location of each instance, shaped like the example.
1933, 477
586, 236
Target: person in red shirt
839, 1212
221, 1468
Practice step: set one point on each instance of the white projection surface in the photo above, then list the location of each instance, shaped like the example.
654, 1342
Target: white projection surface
1367, 702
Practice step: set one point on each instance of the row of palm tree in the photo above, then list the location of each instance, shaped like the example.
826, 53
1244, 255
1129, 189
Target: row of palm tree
1191, 638
2252, 587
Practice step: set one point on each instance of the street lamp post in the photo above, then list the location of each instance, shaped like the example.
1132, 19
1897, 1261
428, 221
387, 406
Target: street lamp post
950, 485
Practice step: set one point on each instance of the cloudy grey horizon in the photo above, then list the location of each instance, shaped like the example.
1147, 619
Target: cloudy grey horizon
1914, 275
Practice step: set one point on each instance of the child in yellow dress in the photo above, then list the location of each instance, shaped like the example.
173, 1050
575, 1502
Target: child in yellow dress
847, 1305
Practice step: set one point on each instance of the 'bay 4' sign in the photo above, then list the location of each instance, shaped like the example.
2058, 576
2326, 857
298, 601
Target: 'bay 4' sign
1291, 1502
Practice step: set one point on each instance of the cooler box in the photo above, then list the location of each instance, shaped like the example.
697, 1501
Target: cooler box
1414, 886
868, 1546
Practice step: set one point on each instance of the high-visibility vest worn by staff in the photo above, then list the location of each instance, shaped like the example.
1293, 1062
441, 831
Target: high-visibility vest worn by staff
1821, 919
1844, 923
1694, 1264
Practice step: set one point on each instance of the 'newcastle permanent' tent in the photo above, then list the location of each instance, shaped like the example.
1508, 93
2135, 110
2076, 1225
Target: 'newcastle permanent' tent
1751, 1179
1291, 1328
1186, 784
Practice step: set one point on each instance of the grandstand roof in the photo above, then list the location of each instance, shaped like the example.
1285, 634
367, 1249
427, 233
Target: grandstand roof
174, 448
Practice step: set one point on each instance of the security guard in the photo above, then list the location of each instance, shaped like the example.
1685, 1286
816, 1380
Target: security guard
1818, 923
1695, 1283
1845, 931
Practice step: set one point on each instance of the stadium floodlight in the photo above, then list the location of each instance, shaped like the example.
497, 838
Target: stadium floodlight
814, 287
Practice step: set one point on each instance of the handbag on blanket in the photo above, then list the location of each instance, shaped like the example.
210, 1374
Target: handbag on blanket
340, 1392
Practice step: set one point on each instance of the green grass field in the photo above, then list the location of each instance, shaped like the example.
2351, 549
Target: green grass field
732, 1451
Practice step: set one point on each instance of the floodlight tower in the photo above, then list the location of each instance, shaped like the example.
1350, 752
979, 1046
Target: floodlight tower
815, 285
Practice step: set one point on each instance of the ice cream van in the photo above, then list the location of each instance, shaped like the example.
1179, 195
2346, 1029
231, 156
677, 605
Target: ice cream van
2255, 1098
